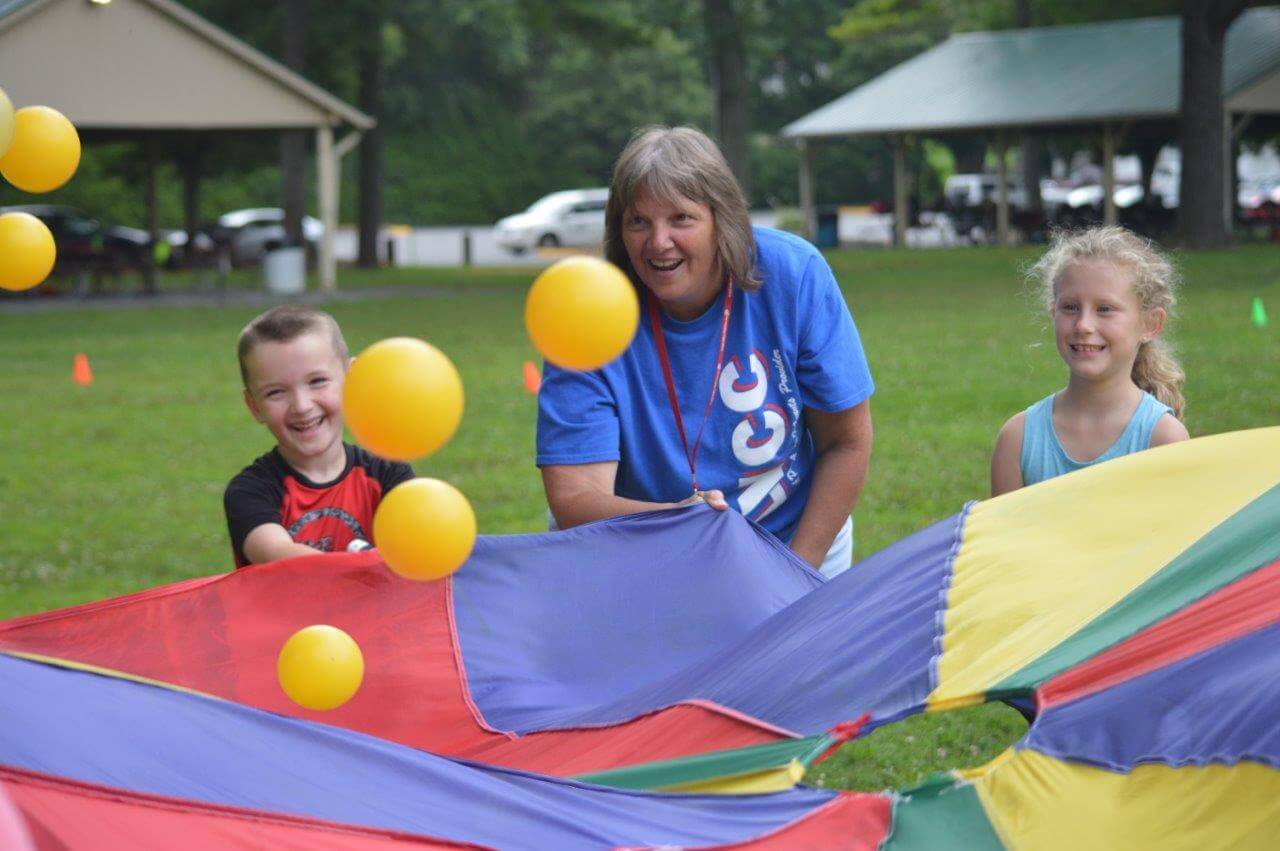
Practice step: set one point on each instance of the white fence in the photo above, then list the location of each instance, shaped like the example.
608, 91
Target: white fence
448, 246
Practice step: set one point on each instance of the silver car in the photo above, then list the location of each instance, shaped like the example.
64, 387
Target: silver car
571, 218
252, 230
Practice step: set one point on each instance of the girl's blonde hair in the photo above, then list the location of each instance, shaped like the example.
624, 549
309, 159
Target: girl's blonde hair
1155, 282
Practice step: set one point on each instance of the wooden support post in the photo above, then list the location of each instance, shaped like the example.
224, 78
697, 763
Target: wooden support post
327, 193
807, 208
900, 202
1108, 174
192, 160
150, 281
1232, 131
329, 179
1002, 188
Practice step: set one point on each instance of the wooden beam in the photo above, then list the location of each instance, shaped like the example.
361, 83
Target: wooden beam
1108, 174
347, 143
899, 144
149, 277
807, 207
327, 193
1229, 185
1002, 189
192, 164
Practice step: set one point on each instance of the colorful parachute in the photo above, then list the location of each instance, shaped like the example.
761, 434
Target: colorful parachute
607, 686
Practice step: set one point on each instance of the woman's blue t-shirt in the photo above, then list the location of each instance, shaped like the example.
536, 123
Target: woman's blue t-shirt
791, 344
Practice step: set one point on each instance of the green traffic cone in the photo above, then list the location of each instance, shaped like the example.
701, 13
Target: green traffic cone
1259, 313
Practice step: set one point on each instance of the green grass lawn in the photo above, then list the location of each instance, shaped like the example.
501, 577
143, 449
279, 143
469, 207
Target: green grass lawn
115, 487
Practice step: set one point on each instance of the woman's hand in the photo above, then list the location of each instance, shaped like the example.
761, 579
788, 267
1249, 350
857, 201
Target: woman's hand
713, 498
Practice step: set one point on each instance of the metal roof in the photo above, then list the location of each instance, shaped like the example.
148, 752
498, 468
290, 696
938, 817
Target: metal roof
152, 64
1086, 73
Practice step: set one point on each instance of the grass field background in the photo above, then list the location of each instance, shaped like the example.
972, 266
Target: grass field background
117, 486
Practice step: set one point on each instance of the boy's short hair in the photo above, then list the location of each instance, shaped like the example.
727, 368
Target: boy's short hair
285, 324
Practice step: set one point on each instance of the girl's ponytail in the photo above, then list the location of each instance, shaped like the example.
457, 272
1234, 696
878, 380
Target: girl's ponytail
1158, 372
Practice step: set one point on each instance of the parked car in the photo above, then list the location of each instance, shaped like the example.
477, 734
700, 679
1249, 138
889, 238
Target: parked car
1090, 195
82, 241
248, 234
574, 217
974, 190
1259, 200
76, 236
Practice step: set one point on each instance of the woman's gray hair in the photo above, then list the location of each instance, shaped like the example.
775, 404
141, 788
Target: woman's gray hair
670, 163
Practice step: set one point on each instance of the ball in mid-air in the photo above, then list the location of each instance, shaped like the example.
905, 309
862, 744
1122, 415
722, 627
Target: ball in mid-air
45, 150
581, 313
402, 399
424, 529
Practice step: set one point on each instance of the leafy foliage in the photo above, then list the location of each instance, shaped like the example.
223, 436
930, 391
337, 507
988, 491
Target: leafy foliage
489, 104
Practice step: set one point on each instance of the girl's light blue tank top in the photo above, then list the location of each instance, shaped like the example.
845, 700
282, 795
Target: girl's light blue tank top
1043, 456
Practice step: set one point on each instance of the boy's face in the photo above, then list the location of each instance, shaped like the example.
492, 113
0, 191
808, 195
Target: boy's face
295, 390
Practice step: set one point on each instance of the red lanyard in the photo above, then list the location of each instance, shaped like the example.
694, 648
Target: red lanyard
691, 455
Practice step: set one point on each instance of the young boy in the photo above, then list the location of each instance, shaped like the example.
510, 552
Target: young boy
312, 491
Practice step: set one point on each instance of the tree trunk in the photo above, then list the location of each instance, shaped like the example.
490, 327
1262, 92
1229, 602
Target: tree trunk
1200, 125
1147, 146
370, 188
729, 86
293, 143
192, 160
150, 280
1030, 150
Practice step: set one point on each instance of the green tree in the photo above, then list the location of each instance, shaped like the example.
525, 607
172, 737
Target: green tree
583, 106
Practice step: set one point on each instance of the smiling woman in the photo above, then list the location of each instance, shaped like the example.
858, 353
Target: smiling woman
746, 386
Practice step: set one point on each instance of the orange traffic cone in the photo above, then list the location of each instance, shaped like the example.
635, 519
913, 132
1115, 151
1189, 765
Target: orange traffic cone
532, 380
80, 371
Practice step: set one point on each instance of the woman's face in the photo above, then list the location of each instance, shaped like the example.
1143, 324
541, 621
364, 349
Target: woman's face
672, 247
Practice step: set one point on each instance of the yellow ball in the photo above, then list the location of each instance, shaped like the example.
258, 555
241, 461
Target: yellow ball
424, 529
320, 667
45, 150
6, 122
27, 251
403, 399
581, 313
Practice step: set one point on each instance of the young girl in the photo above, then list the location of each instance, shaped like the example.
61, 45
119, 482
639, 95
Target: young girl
1109, 293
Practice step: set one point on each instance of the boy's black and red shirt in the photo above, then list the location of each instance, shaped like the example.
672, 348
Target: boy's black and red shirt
324, 515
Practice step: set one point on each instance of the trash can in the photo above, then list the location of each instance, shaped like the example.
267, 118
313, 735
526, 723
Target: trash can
284, 270
828, 235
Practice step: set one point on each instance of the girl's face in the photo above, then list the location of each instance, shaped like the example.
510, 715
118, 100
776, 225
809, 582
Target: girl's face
1098, 321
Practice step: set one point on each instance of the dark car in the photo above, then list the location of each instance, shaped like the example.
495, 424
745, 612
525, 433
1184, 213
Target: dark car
83, 243
77, 236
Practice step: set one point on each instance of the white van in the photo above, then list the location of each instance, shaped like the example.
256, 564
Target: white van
572, 218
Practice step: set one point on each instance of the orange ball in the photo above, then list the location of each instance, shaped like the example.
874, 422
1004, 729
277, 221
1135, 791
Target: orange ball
45, 151
320, 667
402, 399
581, 313
27, 251
424, 529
